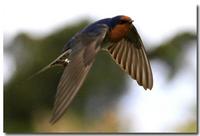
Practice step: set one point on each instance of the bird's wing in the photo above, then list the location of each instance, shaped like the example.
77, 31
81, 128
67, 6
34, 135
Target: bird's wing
75, 73
130, 54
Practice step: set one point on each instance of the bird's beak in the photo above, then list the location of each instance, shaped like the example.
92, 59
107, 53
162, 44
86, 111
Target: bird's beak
130, 21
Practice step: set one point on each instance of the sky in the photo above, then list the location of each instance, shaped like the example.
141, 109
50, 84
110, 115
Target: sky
156, 21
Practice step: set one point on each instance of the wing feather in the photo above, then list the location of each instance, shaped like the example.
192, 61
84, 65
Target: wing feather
116, 50
119, 54
124, 58
148, 70
130, 54
129, 59
138, 67
70, 82
134, 62
111, 48
76, 71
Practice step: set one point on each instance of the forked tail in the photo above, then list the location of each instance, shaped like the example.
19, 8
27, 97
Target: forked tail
62, 60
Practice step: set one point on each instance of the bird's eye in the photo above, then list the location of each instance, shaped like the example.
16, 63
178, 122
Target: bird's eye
122, 21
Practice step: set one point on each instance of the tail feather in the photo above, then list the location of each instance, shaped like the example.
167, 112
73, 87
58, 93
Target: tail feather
62, 60
40, 71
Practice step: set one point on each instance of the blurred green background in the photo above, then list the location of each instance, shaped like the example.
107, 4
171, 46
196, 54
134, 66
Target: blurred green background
28, 103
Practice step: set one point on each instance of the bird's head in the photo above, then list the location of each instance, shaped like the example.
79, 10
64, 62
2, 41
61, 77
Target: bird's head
121, 20
119, 27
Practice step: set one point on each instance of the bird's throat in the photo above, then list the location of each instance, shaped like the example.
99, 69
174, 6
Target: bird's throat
118, 32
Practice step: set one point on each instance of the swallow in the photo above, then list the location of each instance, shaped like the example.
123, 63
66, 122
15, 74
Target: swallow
119, 37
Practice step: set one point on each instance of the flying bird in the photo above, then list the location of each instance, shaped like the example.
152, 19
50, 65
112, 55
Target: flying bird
119, 38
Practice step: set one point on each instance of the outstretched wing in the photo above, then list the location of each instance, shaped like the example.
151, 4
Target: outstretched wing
75, 72
130, 54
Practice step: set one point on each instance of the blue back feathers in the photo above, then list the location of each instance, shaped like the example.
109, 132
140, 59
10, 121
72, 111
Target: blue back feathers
111, 22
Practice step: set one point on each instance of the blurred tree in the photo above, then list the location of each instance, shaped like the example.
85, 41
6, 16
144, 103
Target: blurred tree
171, 51
104, 85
